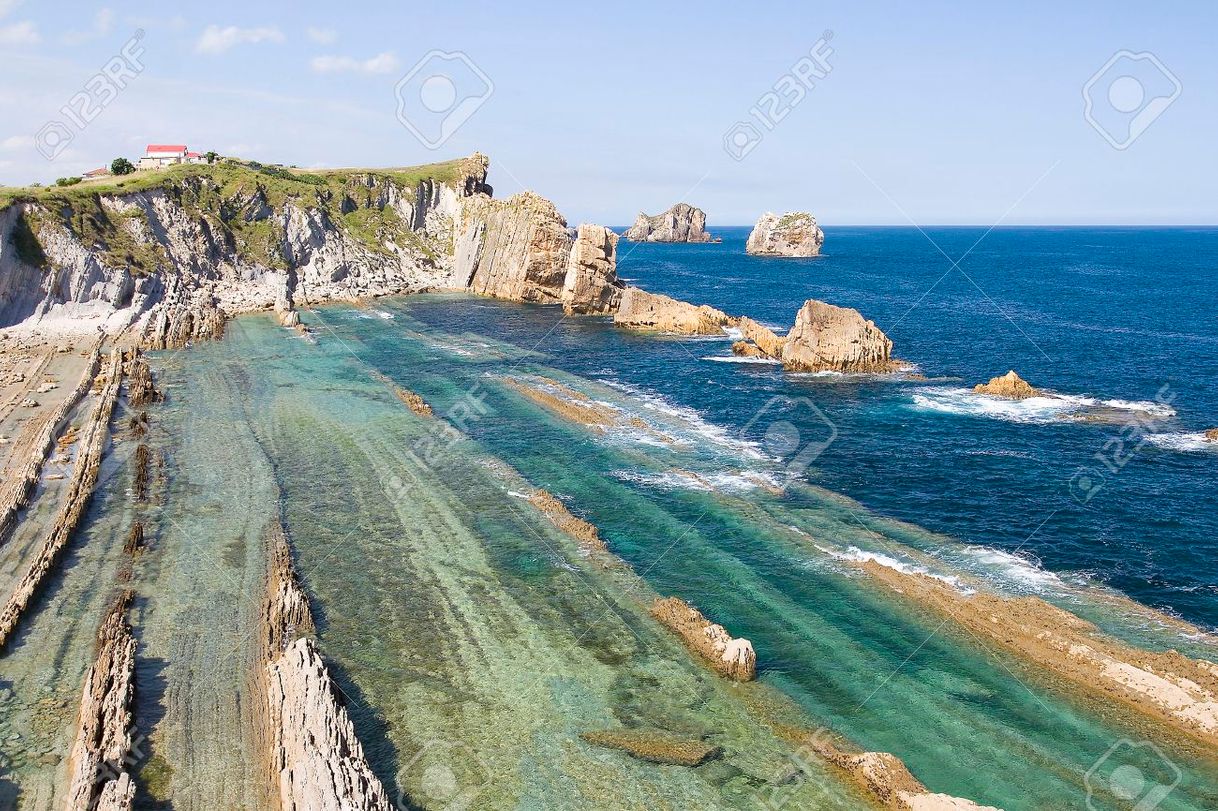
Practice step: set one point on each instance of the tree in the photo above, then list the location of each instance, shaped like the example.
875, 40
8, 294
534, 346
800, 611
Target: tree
211, 156
67, 181
121, 166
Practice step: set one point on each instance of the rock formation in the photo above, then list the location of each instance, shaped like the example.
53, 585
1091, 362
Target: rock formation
515, 249
887, 778
731, 657
591, 284
824, 338
793, 234
681, 223
92, 444
102, 753
583, 532
655, 746
653, 311
16, 491
1010, 386
315, 759
140, 387
1211, 435
830, 338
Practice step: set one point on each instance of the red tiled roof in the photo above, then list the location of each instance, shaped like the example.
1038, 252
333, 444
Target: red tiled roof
193, 155
97, 172
166, 148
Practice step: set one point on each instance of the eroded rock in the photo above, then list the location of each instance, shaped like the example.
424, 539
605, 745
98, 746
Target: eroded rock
729, 656
681, 223
792, 234
591, 284
1010, 386
653, 311
831, 338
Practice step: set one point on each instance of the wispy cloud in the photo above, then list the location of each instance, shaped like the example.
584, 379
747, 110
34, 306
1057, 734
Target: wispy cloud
322, 36
381, 63
217, 40
25, 33
8, 5
103, 21
15, 142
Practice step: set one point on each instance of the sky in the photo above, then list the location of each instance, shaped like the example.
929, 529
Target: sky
860, 112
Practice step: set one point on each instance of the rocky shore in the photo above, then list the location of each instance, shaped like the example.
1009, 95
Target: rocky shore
792, 234
680, 223
91, 446
102, 754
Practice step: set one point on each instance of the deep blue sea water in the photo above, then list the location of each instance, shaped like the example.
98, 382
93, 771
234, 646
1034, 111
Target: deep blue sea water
1116, 315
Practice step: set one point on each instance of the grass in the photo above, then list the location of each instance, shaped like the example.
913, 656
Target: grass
220, 193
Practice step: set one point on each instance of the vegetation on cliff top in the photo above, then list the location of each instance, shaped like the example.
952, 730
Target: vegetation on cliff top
232, 195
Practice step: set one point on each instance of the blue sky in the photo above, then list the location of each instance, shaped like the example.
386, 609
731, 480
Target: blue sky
935, 112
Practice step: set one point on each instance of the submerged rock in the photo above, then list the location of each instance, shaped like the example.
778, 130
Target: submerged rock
793, 234
653, 311
1010, 386
729, 656
831, 338
681, 223
655, 746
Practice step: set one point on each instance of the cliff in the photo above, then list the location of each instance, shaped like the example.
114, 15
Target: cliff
681, 223
793, 234
175, 252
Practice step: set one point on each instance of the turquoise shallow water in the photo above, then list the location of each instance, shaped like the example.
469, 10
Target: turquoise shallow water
967, 721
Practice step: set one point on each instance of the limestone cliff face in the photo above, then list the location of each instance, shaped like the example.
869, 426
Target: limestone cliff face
591, 284
653, 311
515, 249
793, 234
178, 258
830, 338
681, 223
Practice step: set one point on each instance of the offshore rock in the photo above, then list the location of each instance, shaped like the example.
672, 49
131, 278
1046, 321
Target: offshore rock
830, 338
591, 284
104, 740
681, 223
653, 311
793, 234
1010, 386
733, 658
1211, 435
761, 338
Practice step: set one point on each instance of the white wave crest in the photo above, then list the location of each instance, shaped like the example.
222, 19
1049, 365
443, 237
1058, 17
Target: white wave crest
743, 359
1184, 442
1039, 410
856, 555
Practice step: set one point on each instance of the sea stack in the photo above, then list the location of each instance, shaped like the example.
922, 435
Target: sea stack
837, 339
793, 234
681, 223
1011, 386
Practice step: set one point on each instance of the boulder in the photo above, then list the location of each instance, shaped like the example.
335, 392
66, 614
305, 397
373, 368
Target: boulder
591, 284
793, 234
830, 338
1211, 435
653, 311
681, 223
1010, 386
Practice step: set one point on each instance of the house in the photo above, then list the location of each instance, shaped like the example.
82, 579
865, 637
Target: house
95, 173
195, 157
158, 156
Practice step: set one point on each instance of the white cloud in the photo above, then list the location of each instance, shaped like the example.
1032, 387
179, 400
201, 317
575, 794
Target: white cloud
103, 21
8, 5
25, 33
323, 36
14, 142
381, 63
215, 40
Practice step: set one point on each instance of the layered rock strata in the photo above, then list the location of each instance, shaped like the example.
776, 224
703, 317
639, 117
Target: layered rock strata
681, 223
104, 746
655, 746
825, 338
583, 532
653, 311
733, 658
315, 759
92, 445
1011, 386
141, 390
792, 234
591, 285
16, 492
